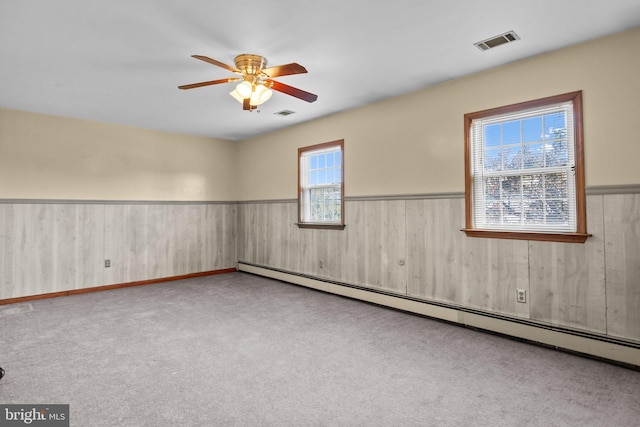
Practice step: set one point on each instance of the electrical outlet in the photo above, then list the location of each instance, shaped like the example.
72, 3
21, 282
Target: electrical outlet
321, 263
521, 295
107, 263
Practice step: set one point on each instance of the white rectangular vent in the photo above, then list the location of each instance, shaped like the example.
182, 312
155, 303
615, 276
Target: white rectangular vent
495, 41
284, 112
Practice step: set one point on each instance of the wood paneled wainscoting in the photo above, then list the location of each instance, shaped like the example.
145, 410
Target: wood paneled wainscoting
49, 247
407, 247
412, 247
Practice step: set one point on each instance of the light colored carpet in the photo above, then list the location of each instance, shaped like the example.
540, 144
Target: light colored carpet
241, 350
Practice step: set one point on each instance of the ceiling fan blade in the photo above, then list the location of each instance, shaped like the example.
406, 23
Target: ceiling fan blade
214, 62
284, 70
290, 90
246, 104
209, 83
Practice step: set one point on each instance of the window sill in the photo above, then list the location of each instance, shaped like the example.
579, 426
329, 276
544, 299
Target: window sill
320, 225
528, 235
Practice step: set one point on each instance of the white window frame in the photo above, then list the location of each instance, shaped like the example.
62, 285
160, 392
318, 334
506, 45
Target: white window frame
305, 188
476, 198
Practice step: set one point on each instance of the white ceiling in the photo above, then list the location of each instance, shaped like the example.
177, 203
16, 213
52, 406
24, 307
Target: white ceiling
121, 61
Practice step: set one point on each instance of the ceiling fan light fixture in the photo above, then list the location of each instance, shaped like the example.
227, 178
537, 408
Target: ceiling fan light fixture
261, 95
236, 95
244, 89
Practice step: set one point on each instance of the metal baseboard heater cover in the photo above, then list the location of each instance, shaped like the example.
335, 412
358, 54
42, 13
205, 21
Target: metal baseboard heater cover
584, 343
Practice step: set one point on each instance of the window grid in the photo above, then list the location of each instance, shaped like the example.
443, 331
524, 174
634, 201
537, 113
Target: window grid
524, 171
509, 157
321, 184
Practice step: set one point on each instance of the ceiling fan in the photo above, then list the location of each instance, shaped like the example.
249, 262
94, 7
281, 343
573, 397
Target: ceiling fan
256, 82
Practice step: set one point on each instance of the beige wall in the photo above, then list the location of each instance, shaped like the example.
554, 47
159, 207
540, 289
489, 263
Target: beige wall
47, 157
413, 144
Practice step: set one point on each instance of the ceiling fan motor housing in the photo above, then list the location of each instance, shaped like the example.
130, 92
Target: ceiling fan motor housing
250, 64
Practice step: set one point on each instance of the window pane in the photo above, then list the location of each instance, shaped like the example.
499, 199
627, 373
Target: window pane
532, 186
314, 162
534, 211
492, 160
557, 211
330, 159
313, 178
492, 188
511, 158
332, 212
316, 203
493, 213
555, 124
557, 153
322, 160
512, 211
556, 186
331, 176
511, 187
511, 132
492, 135
532, 129
325, 204
533, 156
322, 176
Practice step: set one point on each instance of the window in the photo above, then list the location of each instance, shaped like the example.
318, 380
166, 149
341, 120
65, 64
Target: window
524, 171
321, 186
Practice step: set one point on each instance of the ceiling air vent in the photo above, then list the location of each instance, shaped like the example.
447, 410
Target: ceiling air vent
507, 37
284, 112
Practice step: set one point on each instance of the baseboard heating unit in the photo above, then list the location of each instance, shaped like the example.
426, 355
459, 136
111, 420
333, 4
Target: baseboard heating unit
585, 343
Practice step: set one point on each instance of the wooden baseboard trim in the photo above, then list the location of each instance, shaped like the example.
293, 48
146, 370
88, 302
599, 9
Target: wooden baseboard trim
110, 287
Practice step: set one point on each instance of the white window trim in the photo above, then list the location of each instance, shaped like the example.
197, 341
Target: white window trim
478, 171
